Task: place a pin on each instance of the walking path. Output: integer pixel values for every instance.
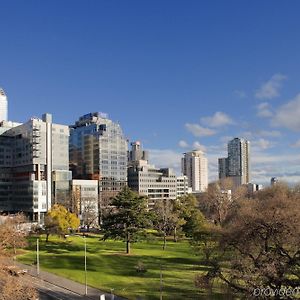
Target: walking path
(68, 285)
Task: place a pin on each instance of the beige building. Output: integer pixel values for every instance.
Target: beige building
(194, 166)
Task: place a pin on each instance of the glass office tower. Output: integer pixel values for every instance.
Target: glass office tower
(98, 150)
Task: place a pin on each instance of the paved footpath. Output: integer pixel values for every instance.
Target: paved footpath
(57, 287)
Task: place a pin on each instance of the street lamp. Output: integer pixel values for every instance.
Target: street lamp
(85, 271)
(37, 257)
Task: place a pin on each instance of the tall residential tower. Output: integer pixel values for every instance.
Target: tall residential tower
(237, 165)
(194, 166)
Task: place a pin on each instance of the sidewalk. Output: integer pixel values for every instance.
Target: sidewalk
(78, 288)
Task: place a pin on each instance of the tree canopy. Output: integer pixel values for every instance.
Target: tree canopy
(127, 218)
(60, 221)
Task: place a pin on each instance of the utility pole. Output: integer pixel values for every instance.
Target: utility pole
(37, 257)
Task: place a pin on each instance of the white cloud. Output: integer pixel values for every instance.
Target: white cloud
(183, 144)
(262, 144)
(240, 94)
(270, 89)
(264, 110)
(198, 130)
(261, 133)
(288, 115)
(217, 120)
(226, 138)
(268, 133)
(166, 158)
(296, 144)
(198, 146)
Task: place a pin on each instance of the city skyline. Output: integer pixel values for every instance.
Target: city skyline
(176, 77)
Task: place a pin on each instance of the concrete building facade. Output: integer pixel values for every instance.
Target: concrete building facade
(194, 166)
(31, 153)
(183, 186)
(85, 195)
(157, 184)
(3, 106)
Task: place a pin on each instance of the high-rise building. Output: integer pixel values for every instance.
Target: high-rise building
(223, 167)
(98, 151)
(3, 105)
(237, 165)
(194, 166)
(34, 166)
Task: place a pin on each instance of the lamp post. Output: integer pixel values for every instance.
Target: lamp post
(37, 257)
(85, 271)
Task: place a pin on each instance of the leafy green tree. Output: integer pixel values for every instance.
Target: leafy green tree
(194, 219)
(128, 217)
(60, 221)
(205, 240)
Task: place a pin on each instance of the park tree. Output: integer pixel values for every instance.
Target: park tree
(12, 237)
(205, 240)
(167, 219)
(220, 198)
(89, 212)
(12, 234)
(187, 207)
(127, 218)
(261, 244)
(60, 221)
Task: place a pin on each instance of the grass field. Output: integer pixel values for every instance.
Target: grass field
(110, 268)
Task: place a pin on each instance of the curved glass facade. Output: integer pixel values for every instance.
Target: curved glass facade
(98, 150)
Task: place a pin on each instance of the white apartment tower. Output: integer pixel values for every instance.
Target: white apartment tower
(194, 166)
(3, 106)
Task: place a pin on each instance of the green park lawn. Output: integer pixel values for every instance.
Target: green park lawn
(108, 266)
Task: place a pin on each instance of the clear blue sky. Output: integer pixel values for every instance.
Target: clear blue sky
(177, 75)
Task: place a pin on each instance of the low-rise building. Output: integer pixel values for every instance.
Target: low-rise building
(183, 186)
(157, 184)
(85, 198)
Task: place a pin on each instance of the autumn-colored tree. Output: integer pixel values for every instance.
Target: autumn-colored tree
(128, 217)
(12, 235)
(220, 198)
(60, 221)
(262, 242)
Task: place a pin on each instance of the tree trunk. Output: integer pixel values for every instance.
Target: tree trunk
(128, 247)
(47, 237)
(175, 234)
(128, 243)
(165, 241)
